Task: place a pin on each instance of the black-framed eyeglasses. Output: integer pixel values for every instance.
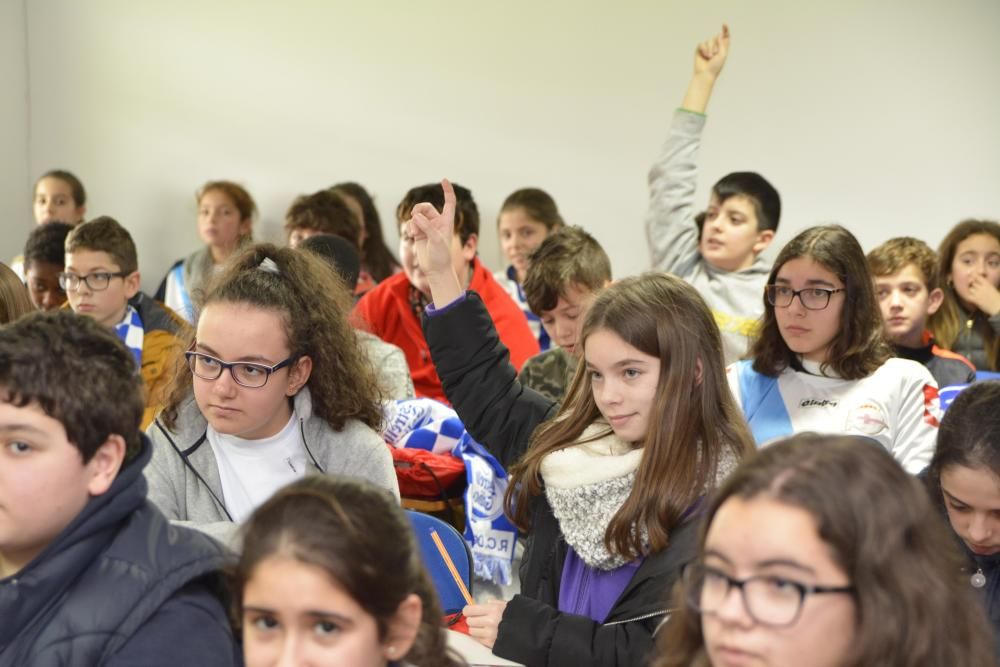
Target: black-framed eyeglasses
(95, 281)
(244, 373)
(768, 599)
(812, 298)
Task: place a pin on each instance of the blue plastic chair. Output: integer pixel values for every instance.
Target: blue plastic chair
(450, 595)
(987, 375)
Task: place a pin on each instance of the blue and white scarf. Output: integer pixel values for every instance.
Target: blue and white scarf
(426, 424)
(131, 332)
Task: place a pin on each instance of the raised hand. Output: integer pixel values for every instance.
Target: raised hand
(710, 56)
(432, 234)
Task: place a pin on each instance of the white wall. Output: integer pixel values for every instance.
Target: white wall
(878, 115)
(15, 188)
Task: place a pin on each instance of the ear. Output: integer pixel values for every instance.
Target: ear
(934, 300)
(403, 628)
(132, 282)
(246, 226)
(699, 372)
(298, 375)
(470, 247)
(764, 239)
(104, 466)
(81, 211)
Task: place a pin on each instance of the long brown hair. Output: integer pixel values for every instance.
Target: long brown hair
(375, 254)
(913, 608)
(358, 534)
(698, 419)
(947, 322)
(859, 348)
(314, 304)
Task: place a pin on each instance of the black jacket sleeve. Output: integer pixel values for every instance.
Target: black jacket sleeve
(479, 380)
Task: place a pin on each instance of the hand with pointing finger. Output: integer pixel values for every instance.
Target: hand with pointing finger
(432, 233)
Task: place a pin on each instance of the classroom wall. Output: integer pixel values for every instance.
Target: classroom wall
(15, 188)
(879, 115)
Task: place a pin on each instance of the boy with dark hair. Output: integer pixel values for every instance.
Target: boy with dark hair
(566, 272)
(325, 212)
(43, 262)
(101, 279)
(91, 573)
(393, 309)
(720, 257)
(909, 291)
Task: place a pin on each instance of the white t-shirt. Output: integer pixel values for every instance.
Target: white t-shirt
(252, 470)
(897, 406)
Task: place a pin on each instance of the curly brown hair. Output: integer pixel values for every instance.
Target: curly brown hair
(860, 347)
(314, 304)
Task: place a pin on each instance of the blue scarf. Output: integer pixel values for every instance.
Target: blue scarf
(131, 332)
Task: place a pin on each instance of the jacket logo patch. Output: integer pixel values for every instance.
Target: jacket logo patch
(817, 403)
(867, 418)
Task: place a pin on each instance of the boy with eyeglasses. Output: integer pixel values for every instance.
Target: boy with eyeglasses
(91, 573)
(101, 279)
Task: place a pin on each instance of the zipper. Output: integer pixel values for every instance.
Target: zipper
(640, 618)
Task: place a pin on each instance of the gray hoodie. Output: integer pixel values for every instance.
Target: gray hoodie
(736, 298)
(184, 480)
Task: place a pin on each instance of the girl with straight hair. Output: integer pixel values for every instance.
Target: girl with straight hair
(968, 321)
(820, 361)
(822, 551)
(330, 573)
(607, 486)
(225, 223)
(964, 481)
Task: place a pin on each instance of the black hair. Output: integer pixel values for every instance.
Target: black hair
(763, 195)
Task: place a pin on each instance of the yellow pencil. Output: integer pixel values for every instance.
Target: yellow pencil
(451, 566)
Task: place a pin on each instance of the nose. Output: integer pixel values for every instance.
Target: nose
(979, 528)
(895, 300)
(796, 307)
(733, 609)
(608, 393)
(224, 385)
(290, 653)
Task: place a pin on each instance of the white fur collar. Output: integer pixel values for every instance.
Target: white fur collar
(608, 457)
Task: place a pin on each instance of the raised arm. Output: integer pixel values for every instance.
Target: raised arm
(474, 366)
(671, 230)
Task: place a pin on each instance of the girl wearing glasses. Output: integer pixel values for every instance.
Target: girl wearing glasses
(821, 551)
(276, 387)
(608, 484)
(820, 361)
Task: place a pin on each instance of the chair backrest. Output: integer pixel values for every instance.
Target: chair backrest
(449, 593)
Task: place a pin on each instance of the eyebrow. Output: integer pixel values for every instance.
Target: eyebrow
(954, 498)
(312, 613)
(249, 358)
(771, 562)
(19, 428)
(812, 282)
(623, 362)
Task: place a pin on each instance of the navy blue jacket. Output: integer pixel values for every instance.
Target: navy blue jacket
(119, 586)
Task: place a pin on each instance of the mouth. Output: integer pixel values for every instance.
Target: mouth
(731, 655)
(617, 421)
(796, 331)
(223, 411)
(897, 321)
(85, 307)
(714, 244)
(982, 550)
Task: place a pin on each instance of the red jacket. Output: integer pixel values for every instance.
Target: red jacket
(386, 312)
